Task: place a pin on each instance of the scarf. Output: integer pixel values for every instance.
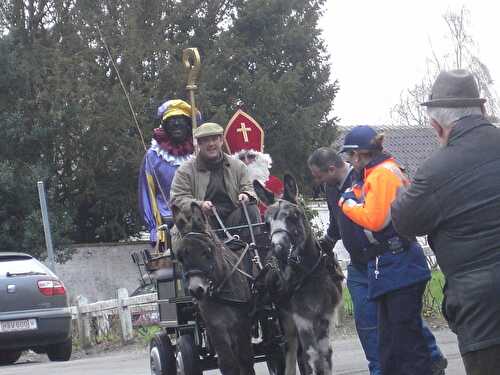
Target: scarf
(212, 165)
(166, 144)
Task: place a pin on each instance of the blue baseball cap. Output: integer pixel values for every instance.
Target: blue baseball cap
(360, 138)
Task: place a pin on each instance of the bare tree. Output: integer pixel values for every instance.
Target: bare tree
(463, 54)
(457, 23)
(408, 112)
(466, 56)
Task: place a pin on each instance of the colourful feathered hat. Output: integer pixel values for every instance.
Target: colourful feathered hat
(175, 107)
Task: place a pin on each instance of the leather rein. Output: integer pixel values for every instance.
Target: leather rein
(296, 261)
(215, 288)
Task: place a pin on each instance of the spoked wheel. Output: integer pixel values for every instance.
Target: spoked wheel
(275, 357)
(161, 355)
(276, 363)
(302, 361)
(187, 356)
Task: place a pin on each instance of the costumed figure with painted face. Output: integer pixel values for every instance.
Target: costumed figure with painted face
(171, 145)
(244, 140)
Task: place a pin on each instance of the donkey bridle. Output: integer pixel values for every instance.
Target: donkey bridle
(290, 259)
(213, 289)
(296, 261)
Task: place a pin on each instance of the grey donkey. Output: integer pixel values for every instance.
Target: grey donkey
(304, 282)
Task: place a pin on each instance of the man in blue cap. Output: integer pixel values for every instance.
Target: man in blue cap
(337, 176)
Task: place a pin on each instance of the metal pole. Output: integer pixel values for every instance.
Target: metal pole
(192, 63)
(46, 225)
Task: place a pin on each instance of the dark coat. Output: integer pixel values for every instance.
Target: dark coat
(342, 228)
(455, 200)
(192, 178)
(396, 271)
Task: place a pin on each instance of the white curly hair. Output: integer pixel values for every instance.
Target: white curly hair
(259, 167)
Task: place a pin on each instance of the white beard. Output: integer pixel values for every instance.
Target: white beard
(259, 169)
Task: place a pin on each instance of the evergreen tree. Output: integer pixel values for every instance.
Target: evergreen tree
(65, 119)
(272, 63)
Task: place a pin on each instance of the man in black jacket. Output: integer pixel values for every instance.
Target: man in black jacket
(329, 170)
(455, 200)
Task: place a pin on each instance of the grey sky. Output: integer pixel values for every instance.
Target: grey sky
(379, 48)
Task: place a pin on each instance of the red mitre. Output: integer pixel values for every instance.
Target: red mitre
(243, 133)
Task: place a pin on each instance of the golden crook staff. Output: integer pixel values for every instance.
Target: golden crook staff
(192, 63)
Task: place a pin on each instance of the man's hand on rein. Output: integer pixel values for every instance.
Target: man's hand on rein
(206, 207)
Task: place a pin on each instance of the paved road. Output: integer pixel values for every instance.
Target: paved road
(348, 359)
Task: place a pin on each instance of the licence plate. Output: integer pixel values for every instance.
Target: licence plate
(18, 325)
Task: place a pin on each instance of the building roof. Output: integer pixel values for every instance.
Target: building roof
(409, 145)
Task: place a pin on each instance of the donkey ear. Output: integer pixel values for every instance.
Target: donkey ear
(291, 191)
(266, 196)
(179, 218)
(198, 219)
(175, 212)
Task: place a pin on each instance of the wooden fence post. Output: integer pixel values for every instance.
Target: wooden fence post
(83, 322)
(125, 316)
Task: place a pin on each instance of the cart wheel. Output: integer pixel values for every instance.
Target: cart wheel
(161, 355)
(187, 356)
(302, 361)
(276, 362)
(276, 356)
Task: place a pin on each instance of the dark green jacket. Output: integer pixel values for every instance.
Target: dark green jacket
(192, 177)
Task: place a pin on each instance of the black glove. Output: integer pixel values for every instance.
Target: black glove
(327, 243)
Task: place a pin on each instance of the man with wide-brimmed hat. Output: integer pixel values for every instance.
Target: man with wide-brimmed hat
(455, 200)
(214, 179)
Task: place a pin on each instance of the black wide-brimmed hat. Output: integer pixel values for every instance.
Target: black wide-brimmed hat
(454, 88)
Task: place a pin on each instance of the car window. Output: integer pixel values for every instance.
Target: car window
(21, 266)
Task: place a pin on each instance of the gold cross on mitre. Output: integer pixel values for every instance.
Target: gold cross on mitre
(243, 129)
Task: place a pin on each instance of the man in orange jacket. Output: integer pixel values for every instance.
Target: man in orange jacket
(397, 269)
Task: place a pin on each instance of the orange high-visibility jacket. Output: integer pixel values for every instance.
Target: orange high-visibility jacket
(379, 190)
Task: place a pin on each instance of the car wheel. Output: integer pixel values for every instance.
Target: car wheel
(9, 357)
(39, 350)
(60, 352)
(161, 355)
(187, 356)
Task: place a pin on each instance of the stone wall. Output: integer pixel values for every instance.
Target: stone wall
(96, 271)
